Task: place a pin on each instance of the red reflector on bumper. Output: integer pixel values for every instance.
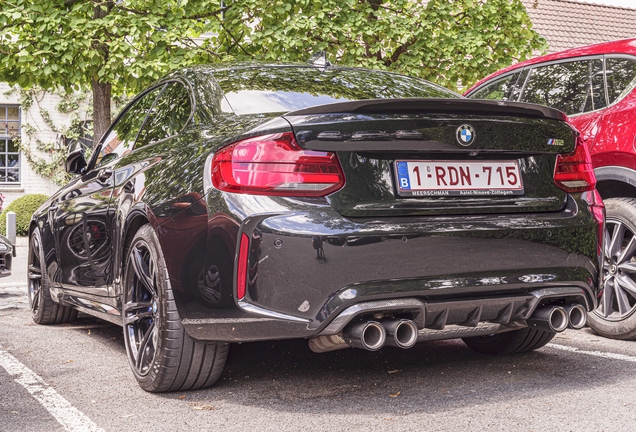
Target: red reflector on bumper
(241, 277)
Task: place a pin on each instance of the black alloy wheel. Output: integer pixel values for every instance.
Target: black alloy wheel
(141, 310)
(162, 356)
(43, 309)
(614, 317)
(34, 275)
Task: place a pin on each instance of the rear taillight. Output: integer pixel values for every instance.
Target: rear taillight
(275, 165)
(573, 172)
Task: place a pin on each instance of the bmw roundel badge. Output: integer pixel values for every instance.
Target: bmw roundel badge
(465, 134)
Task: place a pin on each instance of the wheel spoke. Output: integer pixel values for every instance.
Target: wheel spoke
(142, 271)
(616, 241)
(628, 253)
(622, 300)
(132, 306)
(608, 297)
(607, 242)
(34, 245)
(137, 317)
(627, 267)
(143, 345)
(627, 283)
(35, 299)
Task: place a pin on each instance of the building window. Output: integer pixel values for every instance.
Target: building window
(9, 150)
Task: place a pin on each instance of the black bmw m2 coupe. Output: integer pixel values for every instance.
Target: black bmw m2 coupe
(348, 207)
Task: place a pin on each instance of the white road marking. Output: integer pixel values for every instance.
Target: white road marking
(61, 409)
(612, 356)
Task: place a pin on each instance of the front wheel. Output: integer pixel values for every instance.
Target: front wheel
(512, 342)
(615, 316)
(161, 354)
(43, 309)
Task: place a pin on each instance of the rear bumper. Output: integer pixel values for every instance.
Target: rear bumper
(6, 261)
(308, 267)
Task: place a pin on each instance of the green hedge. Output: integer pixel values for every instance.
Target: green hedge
(24, 207)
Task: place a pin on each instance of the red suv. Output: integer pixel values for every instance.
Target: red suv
(596, 87)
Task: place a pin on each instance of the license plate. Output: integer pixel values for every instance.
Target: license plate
(446, 178)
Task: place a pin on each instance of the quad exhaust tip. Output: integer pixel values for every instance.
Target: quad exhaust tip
(401, 333)
(549, 318)
(577, 315)
(369, 335)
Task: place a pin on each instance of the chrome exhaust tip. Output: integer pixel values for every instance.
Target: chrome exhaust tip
(577, 316)
(366, 335)
(401, 333)
(549, 318)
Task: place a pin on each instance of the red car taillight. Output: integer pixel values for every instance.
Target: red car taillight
(275, 165)
(573, 172)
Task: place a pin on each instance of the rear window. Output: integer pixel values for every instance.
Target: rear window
(284, 89)
(500, 89)
(573, 87)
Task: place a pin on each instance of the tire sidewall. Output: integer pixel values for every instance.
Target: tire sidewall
(38, 316)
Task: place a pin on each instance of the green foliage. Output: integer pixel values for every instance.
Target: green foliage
(73, 43)
(452, 43)
(23, 207)
(130, 43)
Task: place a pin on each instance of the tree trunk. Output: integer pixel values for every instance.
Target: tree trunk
(101, 91)
(101, 109)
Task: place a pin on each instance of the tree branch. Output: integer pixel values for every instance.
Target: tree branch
(200, 48)
(398, 52)
(236, 42)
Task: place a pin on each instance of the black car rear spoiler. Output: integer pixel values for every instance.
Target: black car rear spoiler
(441, 106)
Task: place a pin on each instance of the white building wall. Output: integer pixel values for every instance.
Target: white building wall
(30, 182)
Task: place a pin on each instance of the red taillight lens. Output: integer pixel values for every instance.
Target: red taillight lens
(275, 165)
(573, 172)
(243, 258)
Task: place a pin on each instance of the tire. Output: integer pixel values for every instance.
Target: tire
(43, 309)
(615, 316)
(161, 354)
(512, 342)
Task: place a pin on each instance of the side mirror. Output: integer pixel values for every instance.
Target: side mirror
(75, 159)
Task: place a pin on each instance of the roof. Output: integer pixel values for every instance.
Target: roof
(567, 23)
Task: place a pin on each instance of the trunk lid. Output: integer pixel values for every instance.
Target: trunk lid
(457, 146)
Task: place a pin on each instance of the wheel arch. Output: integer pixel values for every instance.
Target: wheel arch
(136, 219)
(615, 182)
(32, 226)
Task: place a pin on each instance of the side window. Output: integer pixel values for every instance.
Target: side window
(573, 87)
(500, 89)
(621, 77)
(121, 136)
(168, 115)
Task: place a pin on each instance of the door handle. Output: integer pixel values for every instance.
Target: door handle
(104, 174)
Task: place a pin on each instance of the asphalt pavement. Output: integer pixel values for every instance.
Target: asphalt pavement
(76, 377)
